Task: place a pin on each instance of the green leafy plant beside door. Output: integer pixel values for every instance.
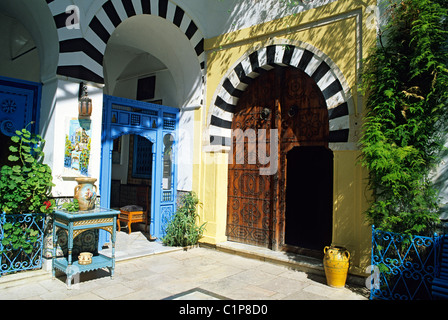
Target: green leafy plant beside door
(405, 80)
(25, 187)
(183, 229)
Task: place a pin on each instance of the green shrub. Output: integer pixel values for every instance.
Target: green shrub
(405, 80)
(183, 229)
(25, 184)
(25, 187)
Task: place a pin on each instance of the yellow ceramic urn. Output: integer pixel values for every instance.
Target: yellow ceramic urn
(336, 263)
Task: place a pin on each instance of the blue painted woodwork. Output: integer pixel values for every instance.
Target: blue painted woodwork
(151, 121)
(142, 164)
(440, 282)
(13, 260)
(406, 264)
(87, 241)
(19, 105)
(75, 223)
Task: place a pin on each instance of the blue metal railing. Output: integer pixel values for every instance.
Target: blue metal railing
(16, 259)
(406, 265)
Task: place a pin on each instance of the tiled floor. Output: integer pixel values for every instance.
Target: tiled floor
(195, 274)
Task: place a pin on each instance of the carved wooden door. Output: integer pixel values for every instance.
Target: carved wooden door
(285, 107)
(250, 193)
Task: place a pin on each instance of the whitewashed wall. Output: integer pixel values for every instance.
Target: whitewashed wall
(65, 110)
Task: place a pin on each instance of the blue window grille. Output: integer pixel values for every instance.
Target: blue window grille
(169, 124)
(405, 266)
(135, 120)
(16, 259)
(167, 196)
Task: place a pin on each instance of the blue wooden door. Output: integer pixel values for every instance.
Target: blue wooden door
(19, 106)
(159, 125)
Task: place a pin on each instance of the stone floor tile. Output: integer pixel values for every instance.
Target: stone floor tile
(223, 286)
(295, 275)
(242, 262)
(252, 292)
(85, 296)
(159, 276)
(176, 286)
(222, 271)
(272, 268)
(167, 268)
(23, 292)
(137, 274)
(112, 291)
(61, 294)
(126, 268)
(283, 285)
(53, 284)
(146, 294)
(252, 276)
(304, 295)
(324, 291)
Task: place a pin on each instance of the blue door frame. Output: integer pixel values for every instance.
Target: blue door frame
(156, 123)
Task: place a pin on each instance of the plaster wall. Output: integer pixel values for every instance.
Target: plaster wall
(341, 31)
(66, 109)
(19, 57)
(216, 17)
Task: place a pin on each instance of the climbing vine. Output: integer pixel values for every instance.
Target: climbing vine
(405, 80)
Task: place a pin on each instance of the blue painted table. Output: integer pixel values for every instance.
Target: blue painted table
(75, 223)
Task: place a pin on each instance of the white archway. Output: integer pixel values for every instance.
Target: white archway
(82, 51)
(36, 18)
(150, 45)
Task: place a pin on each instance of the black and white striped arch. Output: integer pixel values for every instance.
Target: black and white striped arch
(306, 58)
(81, 53)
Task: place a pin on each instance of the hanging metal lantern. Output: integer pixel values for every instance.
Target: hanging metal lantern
(85, 103)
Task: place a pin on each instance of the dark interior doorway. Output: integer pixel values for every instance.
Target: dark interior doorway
(309, 198)
(287, 101)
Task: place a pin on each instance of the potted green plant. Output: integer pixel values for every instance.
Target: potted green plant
(183, 230)
(25, 200)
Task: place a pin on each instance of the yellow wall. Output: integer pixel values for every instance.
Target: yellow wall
(350, 229)
(339, 30)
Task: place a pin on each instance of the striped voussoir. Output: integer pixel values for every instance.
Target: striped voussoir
(265, 59)
(81, 56)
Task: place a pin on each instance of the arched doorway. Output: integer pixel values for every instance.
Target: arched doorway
(157, 127)
(150, 73)
(149, 58)
(282, 109)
